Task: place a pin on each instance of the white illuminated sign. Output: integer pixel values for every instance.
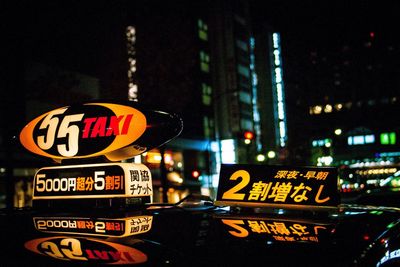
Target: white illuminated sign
(228, 153)
(131, 51)
(279, 104)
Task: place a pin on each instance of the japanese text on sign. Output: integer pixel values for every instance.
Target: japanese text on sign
(276, 230)
(278, 185)
(106, 227)
(114, 179)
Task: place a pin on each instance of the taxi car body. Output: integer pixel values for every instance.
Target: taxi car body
(197, 233)
(384, 196)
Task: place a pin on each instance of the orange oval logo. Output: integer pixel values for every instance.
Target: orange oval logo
(83, 131)
(86, 250)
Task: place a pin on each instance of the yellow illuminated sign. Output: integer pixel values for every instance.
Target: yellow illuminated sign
(262, 185)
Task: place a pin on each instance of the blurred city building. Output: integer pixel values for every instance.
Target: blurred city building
(347, 116)
(205, 61)
(219, 68)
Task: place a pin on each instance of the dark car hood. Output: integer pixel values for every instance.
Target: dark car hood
(198, 235)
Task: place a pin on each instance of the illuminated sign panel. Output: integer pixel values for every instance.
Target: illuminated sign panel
(93, 181)
(83, 131)
(279, 96)
(91, 130)
(262, 185)
(109, 227)
(100, 132)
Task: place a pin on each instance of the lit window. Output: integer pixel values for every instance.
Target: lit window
(203, 28)
(388, 138)
(338, 106)
(206, 94)
(328, 108)
(358, 140)
(245, 97)
(327, 142)
(206, 100)
(314, 143)
(246, 124)
(131, 51)
(361, 139)
(317, 109)
(204, 61)
(228, 151)
(243, 70)
(369, 139)
(324, 161)
(206, 126)
(350, 140)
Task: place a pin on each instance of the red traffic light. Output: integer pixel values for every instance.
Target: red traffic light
(195, 174)
(248, 135)
(372, 34)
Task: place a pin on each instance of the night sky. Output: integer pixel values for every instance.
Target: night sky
(60, 30)
(326, 29)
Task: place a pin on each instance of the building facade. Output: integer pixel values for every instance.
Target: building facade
(203, 61)
(348, 111)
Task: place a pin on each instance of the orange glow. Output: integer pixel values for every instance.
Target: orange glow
(248, 135)
(155, 158)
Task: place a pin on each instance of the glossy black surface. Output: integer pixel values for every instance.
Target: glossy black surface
(196, 233)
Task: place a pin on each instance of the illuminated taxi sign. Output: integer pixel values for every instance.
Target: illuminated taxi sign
(86, 250)
(276, 230)
(109, 227)
(83, 131)
(108, 180)
(285, 186)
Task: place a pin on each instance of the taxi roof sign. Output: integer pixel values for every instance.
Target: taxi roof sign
(277, 186)
(117, 131)
(55, 186)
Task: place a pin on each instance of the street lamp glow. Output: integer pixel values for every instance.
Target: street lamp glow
(328, 144)
(271, 154)
(338, 131)
(260, 158)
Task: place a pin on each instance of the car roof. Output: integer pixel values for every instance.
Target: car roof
(198, 234)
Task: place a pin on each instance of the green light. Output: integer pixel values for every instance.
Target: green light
(392, 138)
(384, 139)
(390, 225)
(376, 212)
(388, 138)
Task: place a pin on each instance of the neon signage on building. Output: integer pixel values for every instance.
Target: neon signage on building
(279, 96)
